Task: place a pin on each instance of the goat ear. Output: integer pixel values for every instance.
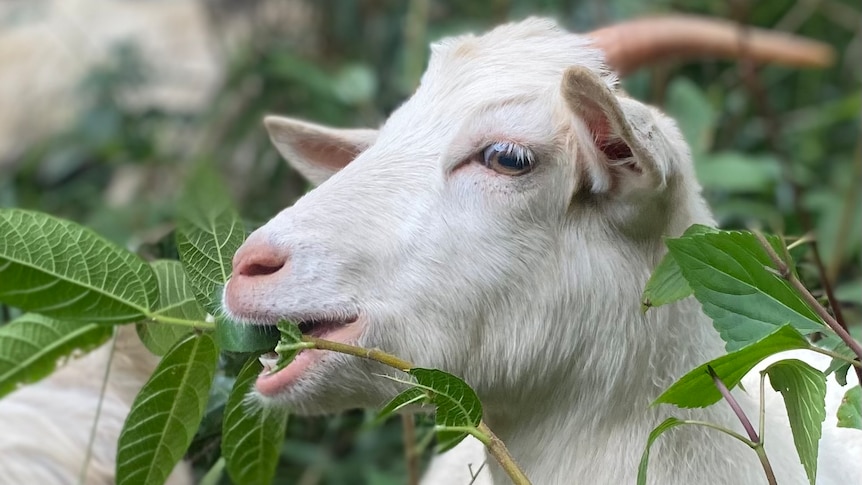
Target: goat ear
(316, 151)
(621, 129)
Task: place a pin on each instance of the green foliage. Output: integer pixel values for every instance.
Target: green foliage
(458, 407)
(289, 344)
(696, 389)
(176, 300)
(32, 345)
(804, 392)
(252, 433)
(239, 337)
(65, 271)
(209, 232)
(666, 284)
(665, 425)
(166, 412)
(850, 411)
(728, 273)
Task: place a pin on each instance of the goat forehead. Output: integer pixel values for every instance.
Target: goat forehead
(530, 53)
(513, 63)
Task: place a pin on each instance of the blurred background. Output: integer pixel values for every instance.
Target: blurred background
(106, 106)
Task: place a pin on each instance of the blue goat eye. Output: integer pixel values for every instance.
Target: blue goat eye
(507, 158)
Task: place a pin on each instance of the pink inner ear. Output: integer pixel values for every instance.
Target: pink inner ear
(328, 155)
(606, 141)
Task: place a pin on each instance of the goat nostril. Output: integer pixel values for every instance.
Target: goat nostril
(259, 263)
(256, 269)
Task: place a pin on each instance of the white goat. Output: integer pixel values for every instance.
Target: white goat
(501, 226)
(46, 426)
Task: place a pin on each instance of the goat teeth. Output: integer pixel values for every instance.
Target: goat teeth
(268, 362)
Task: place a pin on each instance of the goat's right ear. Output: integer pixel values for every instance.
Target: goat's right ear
(316, 151)
(627, 141)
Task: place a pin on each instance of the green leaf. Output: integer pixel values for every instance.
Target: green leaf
(667, 285)
(738, 172)
(697, 389)
(838, 366)
(244, 337)
(804, 390)
(727, 271)
(688, 104)
(289, 344)
(850, 410)
(166, 413)
(65, 271)
(32, 345)
(209, 231)
(177, 300)
(457, 404)
(665, 425)
(252, 432)
(410, 396)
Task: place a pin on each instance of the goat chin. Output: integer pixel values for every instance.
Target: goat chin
(46, 426)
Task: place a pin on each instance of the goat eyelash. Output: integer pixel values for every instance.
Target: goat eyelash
(507, 158)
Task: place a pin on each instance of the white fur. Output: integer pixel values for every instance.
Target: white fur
(526, 286)
(46, 426)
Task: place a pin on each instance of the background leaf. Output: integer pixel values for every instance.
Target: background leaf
(457, 404)
(727, 271)
(850, 410)
(176, 300)
(209, 231)
(252, 432)
(166, 413)
(245, 337)
(32, 345)
(66, 271)
(804, 390)
(697, 389)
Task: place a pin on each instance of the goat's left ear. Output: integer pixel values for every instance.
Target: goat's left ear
(317, 151)
(624, 132)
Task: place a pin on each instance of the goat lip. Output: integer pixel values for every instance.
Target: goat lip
(270, 385)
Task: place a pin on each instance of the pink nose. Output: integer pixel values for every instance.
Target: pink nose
(258, 258)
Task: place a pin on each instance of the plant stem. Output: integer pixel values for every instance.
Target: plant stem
(499, 451)
(767, 467)
(196, 324)
(835, 355)
(734, 405)
(756, 441)
(790, 277)
(484, 434)
(724, 430)
(411, 458)
(373, 354)
(82, 479)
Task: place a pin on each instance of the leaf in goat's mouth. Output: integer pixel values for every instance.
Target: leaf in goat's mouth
(235, 337)
(289, 344)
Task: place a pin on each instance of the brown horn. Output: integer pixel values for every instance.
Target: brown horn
(632, 44)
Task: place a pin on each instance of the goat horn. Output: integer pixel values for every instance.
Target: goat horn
(632, 44)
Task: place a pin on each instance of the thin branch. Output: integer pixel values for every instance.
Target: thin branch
(788, 275)
(756, 440)
(734, 405)
(82, 479)
(411, 457)
(484, 434)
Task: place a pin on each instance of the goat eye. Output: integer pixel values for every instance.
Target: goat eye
(507, 158)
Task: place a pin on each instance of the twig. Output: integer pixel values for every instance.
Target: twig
(411, 457)
(484, 434)
(746, 423)
(788, 275)
(82, 479)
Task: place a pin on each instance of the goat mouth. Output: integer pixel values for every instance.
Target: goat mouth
(271, 383)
